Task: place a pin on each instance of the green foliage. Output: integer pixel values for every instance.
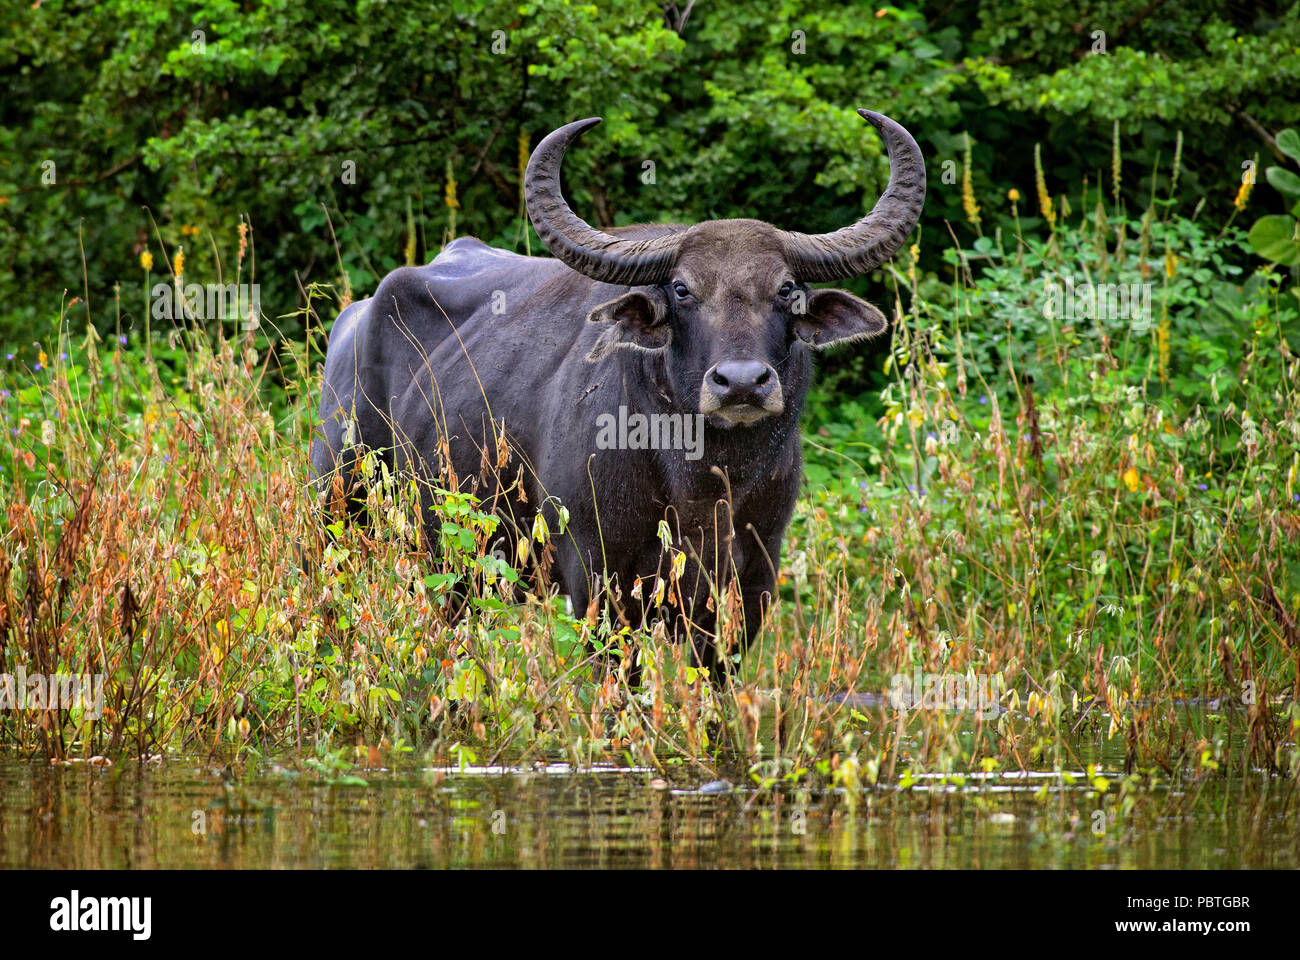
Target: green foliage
(1277, 237)
(1096, 509)
(357, 135)
(1108, 486)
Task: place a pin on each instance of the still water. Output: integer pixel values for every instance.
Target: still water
(194, 813)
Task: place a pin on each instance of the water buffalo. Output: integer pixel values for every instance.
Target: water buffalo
(643, 374)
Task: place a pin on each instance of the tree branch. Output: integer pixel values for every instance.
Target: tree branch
(1255, 125)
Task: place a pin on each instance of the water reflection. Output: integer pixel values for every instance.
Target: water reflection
(191, 814)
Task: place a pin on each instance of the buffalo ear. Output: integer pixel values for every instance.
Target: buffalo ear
(836, 316)
(636, 319)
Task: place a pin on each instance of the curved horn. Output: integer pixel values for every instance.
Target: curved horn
(569, 238)
(854, 250)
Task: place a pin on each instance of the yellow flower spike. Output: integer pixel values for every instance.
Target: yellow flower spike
(146, 261)
(449, 192)
(1013, 195)
(450, 199)
(523, 154)
(1171, 264)
(1044, 198)
(1162, 350)
(1116, 165)
(1132, 480)
(967, 189)
(180, 260)
(1247, 184)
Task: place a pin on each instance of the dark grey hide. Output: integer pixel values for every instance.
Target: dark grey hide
(714, 321)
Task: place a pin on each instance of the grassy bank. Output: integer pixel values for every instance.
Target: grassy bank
(1094, 517)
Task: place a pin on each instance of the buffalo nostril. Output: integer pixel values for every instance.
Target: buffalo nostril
(740, 374)
(741, 391)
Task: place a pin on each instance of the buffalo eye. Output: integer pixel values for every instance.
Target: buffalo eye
(786, 290)
(679, 288)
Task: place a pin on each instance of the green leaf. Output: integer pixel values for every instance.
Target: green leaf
(1274, 238)
(348, 780)
(435, 581)
(1288, 141)
(468, 684)
(1283, 180)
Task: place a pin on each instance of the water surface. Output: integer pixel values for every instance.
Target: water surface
(196, 813)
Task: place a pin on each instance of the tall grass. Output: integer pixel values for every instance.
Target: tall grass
(1098, 515)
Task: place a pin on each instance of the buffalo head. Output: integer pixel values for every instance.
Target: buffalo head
(725, 301)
